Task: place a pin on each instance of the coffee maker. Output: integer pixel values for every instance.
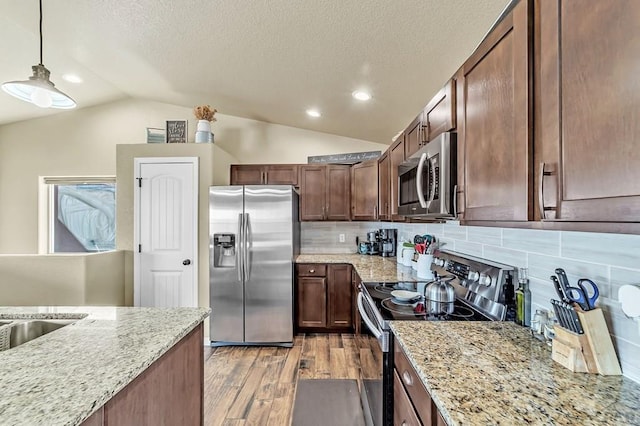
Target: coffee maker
(387, 242)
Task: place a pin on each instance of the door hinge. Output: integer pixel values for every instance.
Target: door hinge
(139, 248)
(139, 182)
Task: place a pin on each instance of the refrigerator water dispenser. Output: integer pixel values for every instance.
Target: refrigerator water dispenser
(224, 250)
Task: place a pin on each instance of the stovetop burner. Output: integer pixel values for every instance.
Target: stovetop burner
(408, 310)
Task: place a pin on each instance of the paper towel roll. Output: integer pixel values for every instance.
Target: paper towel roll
(629, 297)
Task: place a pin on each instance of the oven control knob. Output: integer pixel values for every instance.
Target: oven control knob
(473, 276)
(439, 262)
(484, 280)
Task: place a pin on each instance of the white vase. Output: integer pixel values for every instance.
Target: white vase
(203, 132)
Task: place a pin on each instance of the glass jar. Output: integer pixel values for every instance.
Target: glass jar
(539, 321)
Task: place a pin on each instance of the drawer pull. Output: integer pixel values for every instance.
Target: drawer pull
(404, 423)
(311, 271)
(406, 378)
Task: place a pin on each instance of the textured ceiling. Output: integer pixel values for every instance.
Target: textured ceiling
(266, 60)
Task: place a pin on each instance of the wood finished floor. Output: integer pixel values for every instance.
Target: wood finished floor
(257, 385)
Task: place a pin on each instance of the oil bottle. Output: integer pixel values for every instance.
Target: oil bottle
(523, 299)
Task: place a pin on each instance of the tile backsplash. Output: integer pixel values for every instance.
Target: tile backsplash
(611, 260)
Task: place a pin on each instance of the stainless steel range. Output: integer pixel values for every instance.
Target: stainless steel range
(484, 291)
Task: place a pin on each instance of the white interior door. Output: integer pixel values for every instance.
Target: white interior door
(167, 212)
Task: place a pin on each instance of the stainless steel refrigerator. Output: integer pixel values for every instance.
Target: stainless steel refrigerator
(254, 237)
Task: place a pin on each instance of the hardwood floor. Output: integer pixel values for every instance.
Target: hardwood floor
(246, 385)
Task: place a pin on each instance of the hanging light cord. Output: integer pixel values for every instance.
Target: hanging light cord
(40, 32)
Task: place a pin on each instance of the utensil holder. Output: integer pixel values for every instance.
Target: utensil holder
(591, 352)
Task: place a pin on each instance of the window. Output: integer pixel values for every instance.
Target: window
(81, 214)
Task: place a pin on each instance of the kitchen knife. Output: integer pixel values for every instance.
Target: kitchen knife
(567, 318)
(564, 281)
(576, 320)
(557, 312)
(559, 290)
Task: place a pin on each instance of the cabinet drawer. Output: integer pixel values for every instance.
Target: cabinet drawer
(403, 412)
(311, 270)
(412, 383)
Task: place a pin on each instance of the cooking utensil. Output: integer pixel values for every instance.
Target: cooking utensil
(556, 310)
(577, 325)
(405, 295)
(564, 281)
(439, 298)
(579, 294)
(589, 301)
(558, 288)
(418, 239)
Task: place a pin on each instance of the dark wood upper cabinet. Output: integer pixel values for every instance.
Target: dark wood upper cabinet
(281, 174)
(247, 174)
(364, 190)
(497, 114)
(396, 157)
(325, 192)
(440, 113)
(264, 174)
(415, 135)
(588, 111)
(384, 187)
(338, 192)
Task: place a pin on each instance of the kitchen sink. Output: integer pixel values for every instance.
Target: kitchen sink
(22, 331)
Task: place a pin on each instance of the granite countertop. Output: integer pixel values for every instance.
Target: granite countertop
(493, 373)
(370, 268)
(61, 378)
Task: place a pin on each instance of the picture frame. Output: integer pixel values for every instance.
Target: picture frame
(177, 131)
(156, 135)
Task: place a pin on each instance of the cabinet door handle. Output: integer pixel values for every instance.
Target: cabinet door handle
(406, 378)
(455, 201)
(543, 209)
(375, 212)
(324, 215)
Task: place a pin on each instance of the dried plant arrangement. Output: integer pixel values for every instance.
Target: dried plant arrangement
(205, 112)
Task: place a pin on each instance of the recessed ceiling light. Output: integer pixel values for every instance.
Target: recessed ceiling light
(72, 78)
(313, 113)
(361, 96)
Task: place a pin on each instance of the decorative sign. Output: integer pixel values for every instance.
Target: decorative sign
(350, 158)
(177, 131)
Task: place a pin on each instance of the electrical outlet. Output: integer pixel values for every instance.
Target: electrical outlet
(341, 238)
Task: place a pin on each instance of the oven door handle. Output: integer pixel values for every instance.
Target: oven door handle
(365, 317)
(423, 202)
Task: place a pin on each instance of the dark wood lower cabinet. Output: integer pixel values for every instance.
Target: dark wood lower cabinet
(324, 297)
(312, 302)
(169, 392)
(411, 401)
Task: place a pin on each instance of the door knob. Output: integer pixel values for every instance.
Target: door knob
(186, 262)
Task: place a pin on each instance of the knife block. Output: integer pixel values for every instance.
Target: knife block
(591, 352)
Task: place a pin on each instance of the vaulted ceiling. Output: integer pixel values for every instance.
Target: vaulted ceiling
(266, 60)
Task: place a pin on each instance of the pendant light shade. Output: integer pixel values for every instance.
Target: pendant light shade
(39, 90)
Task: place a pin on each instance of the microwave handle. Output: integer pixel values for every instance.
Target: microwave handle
(432, 188)
(423, 202)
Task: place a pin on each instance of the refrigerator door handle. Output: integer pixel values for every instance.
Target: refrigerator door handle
(240, 247)
(248, 235)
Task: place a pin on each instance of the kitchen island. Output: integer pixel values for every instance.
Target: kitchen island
(496, 373)
(101, 360)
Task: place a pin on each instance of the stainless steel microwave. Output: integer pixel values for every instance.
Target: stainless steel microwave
(427, 180)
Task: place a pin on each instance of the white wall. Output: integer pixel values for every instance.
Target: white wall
(83, 142)
(611, 260)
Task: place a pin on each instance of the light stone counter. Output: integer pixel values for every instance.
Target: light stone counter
(62, 377)
(489, 373)
(370, 268)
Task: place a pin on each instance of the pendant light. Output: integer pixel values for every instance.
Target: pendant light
(39, 90)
